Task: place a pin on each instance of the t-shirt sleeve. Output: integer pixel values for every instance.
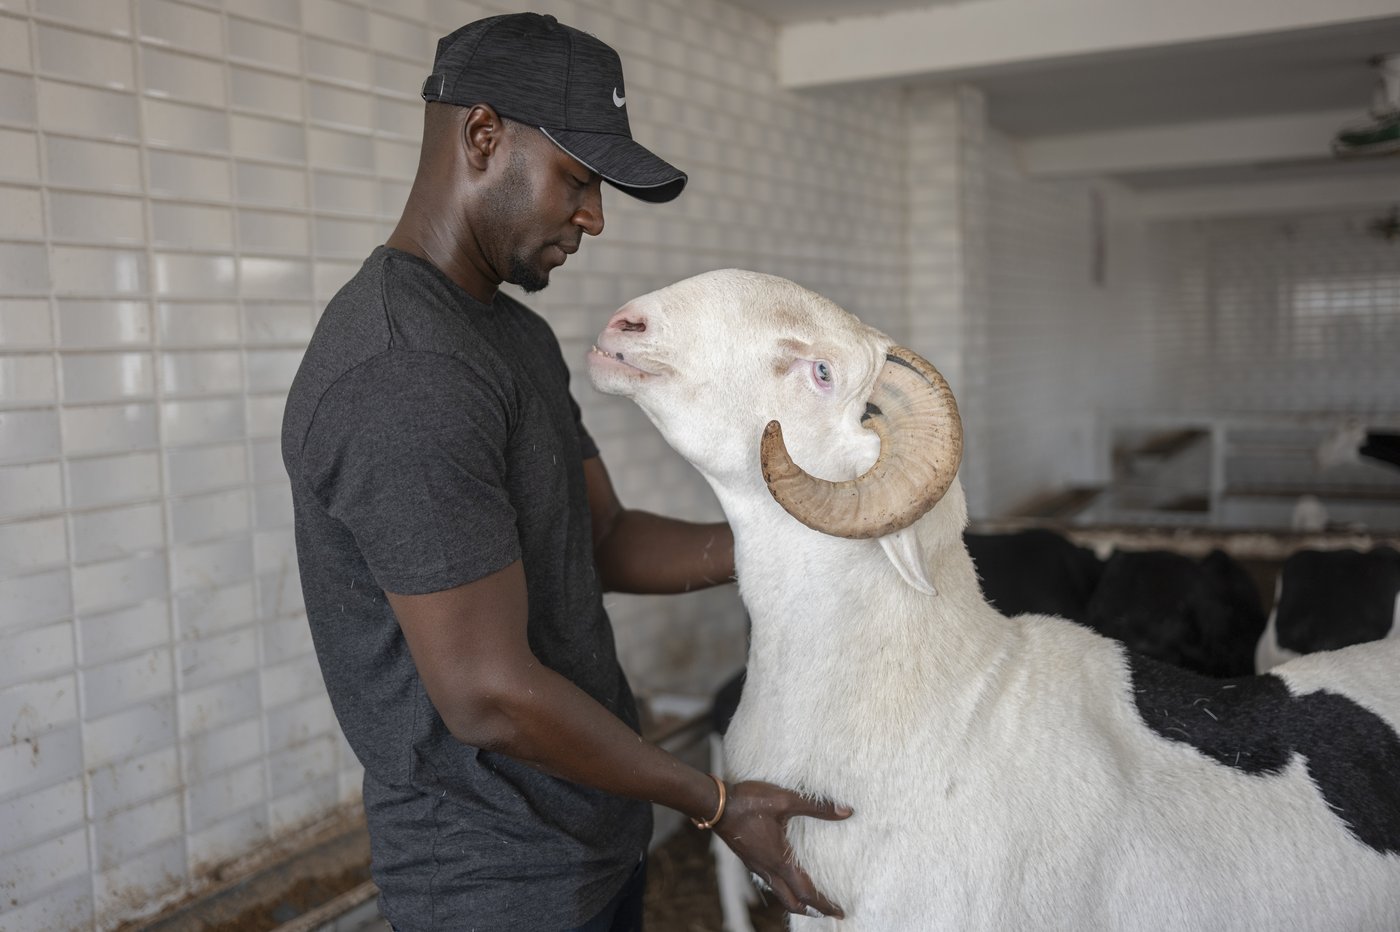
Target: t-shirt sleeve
(408, 451)
(587, 448)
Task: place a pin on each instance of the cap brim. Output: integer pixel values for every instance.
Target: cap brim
(622, 162)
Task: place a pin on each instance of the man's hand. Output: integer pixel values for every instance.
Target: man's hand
(754, 825)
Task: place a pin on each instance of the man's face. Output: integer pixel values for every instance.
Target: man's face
(539, 208)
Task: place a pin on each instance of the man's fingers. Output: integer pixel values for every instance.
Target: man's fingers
(822, 809)
(780, 890)
(809, 897)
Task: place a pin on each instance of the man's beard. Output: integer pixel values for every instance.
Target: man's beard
(526, 276)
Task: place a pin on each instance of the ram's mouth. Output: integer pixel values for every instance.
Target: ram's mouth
(604, 357)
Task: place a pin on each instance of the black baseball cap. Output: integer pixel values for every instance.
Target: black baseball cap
(536, 70)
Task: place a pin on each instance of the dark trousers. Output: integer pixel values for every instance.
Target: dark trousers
(624, 911)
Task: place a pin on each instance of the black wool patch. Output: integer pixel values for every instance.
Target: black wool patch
(1253, 724)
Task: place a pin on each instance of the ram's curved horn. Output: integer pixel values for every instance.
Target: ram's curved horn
(914, 412)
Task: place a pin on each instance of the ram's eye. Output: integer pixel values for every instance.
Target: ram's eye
(822, 372)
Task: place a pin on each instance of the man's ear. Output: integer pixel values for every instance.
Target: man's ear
(482, 132)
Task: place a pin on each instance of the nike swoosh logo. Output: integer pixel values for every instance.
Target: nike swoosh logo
(618, 101)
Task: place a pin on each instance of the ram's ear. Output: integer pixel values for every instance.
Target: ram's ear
(907, 552)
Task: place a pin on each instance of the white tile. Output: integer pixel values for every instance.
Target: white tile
(24, 269)
(201, 373)
(278, 323)
(24, 324)
(14, 44)
(335, 20)
(221, 748)
(274, 278)
(343, 193)
(400, 77)
(327, 148)
(193, 276)
(181, 26)
(76, 56)
(125, 834)
(34, 600)
(96, 218)
(214, 564)
(66, 906)
(116, 532)
(182, 77)
(340, 106)
(223, 796)
(123, 784)
(128, 734)
(36, 654)
(348, 238)
(267, 461)
(208, 517)
(207, 611)
(268, 232)
(32, 489)
(199, 469)
(17, 100)
(89, 377)
(340, 63)
(26, 546)
(103, 323)
(270, 185)
(265, 415)
(279, 595)
(227, 839)
(275, 552)
(273, 11)
(87, 110)
(26, 380)
(291, 681)
(264, 45)
(79, 270)
(48, 864)
(113, 480)
(34, 817)
(272, 505)
(395, 36)
(286, 640)
(272, 370)
(306, 802)
(89, 163)
(128, 581)
(28, 435)
(32, 710)
(288, 769)
(400, 117)
(225, 703)
(183, 126)
(197, 324)
(178, 174)
(263, 92)
(300, 721)
(191, 226)
(262, 138)
(153, 875)
(113, 18)
(36, 763)
(202, 421)
(107, 636)
(109, 428)
(117, 684)
(21, 213)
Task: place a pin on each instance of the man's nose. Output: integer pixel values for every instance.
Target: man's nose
(589, 216)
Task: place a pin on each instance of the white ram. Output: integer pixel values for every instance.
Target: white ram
(1006, 773)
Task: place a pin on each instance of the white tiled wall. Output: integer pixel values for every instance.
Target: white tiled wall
(183, 183)
(1293, 314)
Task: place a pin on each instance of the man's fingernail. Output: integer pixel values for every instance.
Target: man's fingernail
(814, 913)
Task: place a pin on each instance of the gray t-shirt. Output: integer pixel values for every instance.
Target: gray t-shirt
(431, 440)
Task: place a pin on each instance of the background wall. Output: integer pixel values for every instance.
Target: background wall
(183, 184)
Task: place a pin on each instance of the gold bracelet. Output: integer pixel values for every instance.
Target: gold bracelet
(719, 812)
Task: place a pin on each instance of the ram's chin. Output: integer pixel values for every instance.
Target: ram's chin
(612, 377)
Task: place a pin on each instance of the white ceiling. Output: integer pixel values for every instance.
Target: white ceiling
(1296, 71)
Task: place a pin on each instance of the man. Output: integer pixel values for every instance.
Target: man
(455, 526)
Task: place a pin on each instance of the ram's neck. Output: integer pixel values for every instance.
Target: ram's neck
(840, 641)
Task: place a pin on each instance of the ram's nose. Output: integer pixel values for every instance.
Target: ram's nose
(628, 319)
